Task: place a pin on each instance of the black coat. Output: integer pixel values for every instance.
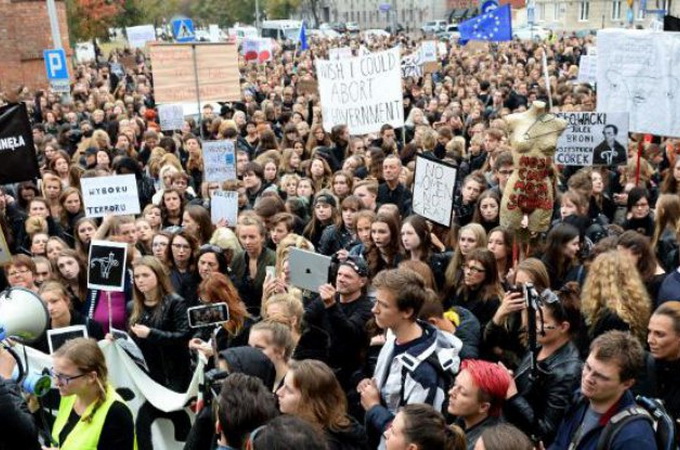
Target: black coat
(541, 402)
(166, 348)
(20, 430)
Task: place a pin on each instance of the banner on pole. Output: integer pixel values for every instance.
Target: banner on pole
(363, 92)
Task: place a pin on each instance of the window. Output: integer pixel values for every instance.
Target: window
(583, 10)
(557, 9)
(616, 10)
(540, 12)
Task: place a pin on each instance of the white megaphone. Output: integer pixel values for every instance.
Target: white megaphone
(23, 315)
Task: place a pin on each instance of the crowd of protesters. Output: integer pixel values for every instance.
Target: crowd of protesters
(420, 340)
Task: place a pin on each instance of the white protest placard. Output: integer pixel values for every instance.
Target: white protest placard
(441, 47)
(171, 116)
(115, 194)
(587, 69)
(363, 50)
(433, 188)
(214, 31)
(637, 73)
(411, 66)
(219, 161)
(593, 139)
(336, 54)
(224, 206)
(362, 92)
(85, 52)
(138, 36)
(428, 51)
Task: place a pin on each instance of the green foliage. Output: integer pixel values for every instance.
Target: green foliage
(281, 9)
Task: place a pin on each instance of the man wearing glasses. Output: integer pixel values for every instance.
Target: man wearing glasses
(615, 359)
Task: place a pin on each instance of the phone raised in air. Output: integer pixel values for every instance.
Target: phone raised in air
(208, 315)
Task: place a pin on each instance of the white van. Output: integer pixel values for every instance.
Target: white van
(241, 32)
(281, 29)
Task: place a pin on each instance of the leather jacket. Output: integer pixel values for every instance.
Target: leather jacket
(542, 401)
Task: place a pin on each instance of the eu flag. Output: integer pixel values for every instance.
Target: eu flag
(495, 25)
(303, 37)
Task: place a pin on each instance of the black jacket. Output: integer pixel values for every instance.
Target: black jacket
(166, 348)
(334, 239)
(541, 402)
(399, 196)
(18, 428)
(351, 438)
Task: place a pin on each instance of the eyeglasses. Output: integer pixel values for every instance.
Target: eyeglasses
(474, 269)
(64, 379)
(18, 272)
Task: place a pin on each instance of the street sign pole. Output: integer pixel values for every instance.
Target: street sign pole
(56, 39)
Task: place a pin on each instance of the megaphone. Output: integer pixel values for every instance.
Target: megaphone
(23, 315)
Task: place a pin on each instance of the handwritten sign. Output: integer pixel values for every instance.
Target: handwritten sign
(219, 161)
(362, 92)
(428, 51)
(593, 139)
(106, 266)
(433, 189)
(171, 116)
(115, 195)
(224, 206)
(138, 36)
(637, 73)
(175, 79)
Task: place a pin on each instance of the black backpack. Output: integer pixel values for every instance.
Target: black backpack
(645, 408)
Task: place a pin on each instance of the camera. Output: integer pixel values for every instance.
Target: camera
(212, 384)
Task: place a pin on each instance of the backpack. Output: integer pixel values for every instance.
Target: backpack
(645, 408)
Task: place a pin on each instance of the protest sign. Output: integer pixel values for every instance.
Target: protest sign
(214, 31)
(129, 61)
(115, 195)
(18, 159)
(138, 36)
(593, 139)
(106, 265)
(60, 336)
(257, 49)
(171, 116)
(307, 87)
(174, 76)
(85, 52)
(587, 69)
(410, 66)
(224, 206)
(433, 187)
(441, 48)
(428, 51)
(139, 392)
(336, 54)
(362, 92)
(637, 73)
(219, 161)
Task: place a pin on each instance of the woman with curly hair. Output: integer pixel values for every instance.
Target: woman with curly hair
(615, 298)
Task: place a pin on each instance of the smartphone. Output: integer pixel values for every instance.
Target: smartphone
(208, 315)
(270, 272)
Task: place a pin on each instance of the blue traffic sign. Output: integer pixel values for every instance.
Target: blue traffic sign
(55, 64)
(183, 30)
(384, 7)
(489, 5)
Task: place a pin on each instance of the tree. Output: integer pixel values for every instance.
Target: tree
(92, 18)
(282, 9)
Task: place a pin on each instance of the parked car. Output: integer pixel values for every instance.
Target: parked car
(352, 27)
(400, 29)
(433, 26)
(339, 27)
(528, 32)
(450, 32)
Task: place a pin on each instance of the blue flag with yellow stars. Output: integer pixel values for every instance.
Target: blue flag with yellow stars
(495, 25)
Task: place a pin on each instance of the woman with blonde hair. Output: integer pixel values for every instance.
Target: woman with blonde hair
(51, 191)
(290, 162)
(470, 237)
(275, 339)
(91, 411)
(614, 297)
(311, 392)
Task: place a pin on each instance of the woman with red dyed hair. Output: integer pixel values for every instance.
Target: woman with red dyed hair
(217, 288)
(477, 397)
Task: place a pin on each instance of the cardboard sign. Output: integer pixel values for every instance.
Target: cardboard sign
(593, 139)
(219, 161)
(433, 189)
(308, 87)
(116, 195)
(363, 92)
(224, 206)
(171, 116)
(174, 75)
(106, 266)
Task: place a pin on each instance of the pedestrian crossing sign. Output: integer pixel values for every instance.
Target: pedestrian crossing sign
(183, 30)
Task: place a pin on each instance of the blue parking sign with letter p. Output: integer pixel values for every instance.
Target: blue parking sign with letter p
(55, 64)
